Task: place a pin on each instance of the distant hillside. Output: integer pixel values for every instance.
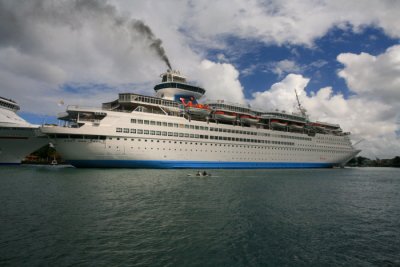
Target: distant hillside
(366, 162)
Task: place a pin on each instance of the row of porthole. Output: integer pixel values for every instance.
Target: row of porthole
(254, 147)
(211, 151)
(240, 146)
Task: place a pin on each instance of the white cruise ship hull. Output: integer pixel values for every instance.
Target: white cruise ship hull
(18, 142)
(118, 143)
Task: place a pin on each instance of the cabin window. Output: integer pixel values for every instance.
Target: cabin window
(119, 130)
(140, 131)
(133, 120)
(133, 130)
(126, 130)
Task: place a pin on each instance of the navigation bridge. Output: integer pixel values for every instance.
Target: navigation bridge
(174, 86)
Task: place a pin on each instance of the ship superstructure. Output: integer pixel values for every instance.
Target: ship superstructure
(18, 138)
(174, 130)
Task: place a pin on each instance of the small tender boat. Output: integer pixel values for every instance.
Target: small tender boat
(249, 119)
(54, 161)
(224, 116)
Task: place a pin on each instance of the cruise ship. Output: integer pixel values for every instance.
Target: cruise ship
(173, 130)
(18, 138)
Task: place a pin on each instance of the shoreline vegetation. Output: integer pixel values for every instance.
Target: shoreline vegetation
(47, 154)
(366, 162)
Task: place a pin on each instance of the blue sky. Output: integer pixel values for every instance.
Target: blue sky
(318, 62)
(342, 56)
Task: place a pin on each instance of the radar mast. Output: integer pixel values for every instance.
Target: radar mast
(302, 110)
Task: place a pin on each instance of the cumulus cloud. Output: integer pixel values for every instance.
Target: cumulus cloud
(221, 81)
(286, 21)
(281, 95)
(373, 76)
(284, 66)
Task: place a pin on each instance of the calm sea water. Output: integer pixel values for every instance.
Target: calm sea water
(58, 216)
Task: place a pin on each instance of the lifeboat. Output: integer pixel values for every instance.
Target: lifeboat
(278, 124)
(318, 126)
(224, 116)
(196, 109)
(249, 119)
(296, 126)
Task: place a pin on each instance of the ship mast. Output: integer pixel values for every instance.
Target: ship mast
(301, 109)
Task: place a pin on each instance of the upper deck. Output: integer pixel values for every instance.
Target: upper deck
(8, 104)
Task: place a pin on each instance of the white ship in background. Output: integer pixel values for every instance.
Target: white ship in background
(18, 138)
(172, 130)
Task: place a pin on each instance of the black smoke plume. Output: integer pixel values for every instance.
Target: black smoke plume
(155, 43)
(139, 26)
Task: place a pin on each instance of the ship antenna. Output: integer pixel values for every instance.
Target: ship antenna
(301, 109)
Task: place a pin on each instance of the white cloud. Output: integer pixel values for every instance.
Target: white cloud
(284, 66)
(221, 81)
(373, 76)
(281, 95)
(286, 21)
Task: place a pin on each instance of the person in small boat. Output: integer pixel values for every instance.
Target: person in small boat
(205, 173)
(198, 173)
